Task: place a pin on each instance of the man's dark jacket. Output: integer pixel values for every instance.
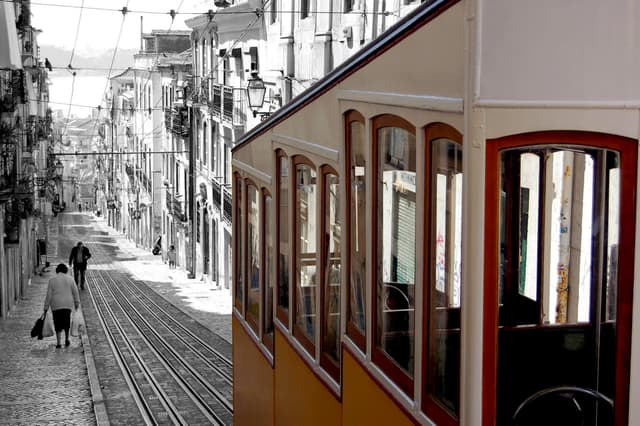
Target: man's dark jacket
(85, 256)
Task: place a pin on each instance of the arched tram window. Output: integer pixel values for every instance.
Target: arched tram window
(557, 254)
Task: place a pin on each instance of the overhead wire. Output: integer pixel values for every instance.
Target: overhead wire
(220, 11)
(73, 81)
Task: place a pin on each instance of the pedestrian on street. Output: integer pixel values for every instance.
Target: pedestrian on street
(171, 254)
(78, 259)
(62, 297)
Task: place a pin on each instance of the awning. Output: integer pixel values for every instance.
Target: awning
(10, 57)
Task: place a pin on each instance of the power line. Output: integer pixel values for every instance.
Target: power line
(173, 13)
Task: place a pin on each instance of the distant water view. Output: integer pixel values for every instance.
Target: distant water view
(88, 92)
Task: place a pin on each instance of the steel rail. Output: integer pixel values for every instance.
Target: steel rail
(204, 382)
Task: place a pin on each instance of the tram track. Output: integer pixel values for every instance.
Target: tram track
(175, 376)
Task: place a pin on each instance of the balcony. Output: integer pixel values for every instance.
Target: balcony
(228, 207)
(174, 207)
(228, 103)
(176, 121)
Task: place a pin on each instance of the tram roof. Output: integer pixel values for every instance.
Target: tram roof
(403, 28)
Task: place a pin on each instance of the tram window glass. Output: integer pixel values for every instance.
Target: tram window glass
(559, 232)
(331, 275)
(442, 384)
(283, 238)
(357, 228)
(269, 264)
(305, 259)
(396, 249)
(253, 256)
(239, 254)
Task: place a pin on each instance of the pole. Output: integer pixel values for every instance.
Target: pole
(192, 194)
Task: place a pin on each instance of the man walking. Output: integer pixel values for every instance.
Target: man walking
(78, 259)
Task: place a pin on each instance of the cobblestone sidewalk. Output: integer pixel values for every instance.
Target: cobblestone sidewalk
(39, 384)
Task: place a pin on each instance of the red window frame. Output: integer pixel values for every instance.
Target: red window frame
(380, 358)
(252, 320)
(267, 337)
(281, 313)
(430, 405)
(356, 335)
(239, 292)
(627, 148)
(326, 362)
(298, 333)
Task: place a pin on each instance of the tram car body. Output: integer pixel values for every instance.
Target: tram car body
(443, 229)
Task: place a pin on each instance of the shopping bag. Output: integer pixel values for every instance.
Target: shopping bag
(47, 329)
(77, 322)
(36, 331)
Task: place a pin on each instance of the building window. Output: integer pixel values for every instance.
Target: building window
(253, 256)
(239, 253)
(198, 220)
(214, 250)
(268, 271)
(284, 203)
(304, 9)
(357, 194)
(395, 249)
(206, 141)
(443, 270)
(331, 275)
(306, 281)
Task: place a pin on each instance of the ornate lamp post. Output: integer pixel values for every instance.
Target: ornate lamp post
(255, 95)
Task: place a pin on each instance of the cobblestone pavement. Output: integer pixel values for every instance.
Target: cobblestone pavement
(39, 384)
(43, 385)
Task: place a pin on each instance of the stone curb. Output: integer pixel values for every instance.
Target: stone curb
(99, 408)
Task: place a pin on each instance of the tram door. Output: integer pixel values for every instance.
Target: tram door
(559, 233)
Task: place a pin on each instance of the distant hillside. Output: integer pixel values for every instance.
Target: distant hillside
(59, 57)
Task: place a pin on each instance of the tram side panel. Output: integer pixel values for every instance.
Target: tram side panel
(253, 381)
(364, 402)
(300, 397)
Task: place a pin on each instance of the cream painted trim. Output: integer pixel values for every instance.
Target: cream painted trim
(576, 104)
(432, 103)
(252, 171)
(299, 144)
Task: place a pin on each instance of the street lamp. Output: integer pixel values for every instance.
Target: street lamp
(255, 95)
(59, 169)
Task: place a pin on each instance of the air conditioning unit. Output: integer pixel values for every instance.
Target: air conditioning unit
(347, 32)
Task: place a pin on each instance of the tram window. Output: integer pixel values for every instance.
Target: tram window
(283, 239)
(559, 233)
(396, 250)
(445, 286)
(239, 254)
(253, 256)
(331, 275)
(306, 248)
(269, 264)
(356, 307)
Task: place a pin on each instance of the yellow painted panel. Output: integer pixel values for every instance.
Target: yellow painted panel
(363, 401)
(301, 397)
(252, 381)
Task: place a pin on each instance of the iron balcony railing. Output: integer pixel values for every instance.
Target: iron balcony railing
(176, 121)
(228, 103)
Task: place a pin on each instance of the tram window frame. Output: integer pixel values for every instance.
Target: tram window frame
(239, 267)
(431, 405)
(253, 318)
(329, 363)
(308, 342)
(283, 223)
(355, 332)
(268, 266)
(401, 377)
(626, 149)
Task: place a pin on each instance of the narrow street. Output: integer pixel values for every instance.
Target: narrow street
(156, 349)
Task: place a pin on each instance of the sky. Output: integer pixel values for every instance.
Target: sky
(89, 32)
(98, 29)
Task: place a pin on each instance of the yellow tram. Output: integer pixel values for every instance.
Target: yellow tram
(442, 230)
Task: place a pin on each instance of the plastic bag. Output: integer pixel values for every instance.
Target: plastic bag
(77, 322)
(36, 331)
(47, 329)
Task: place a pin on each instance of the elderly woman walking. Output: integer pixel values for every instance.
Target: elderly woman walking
(62, 297)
